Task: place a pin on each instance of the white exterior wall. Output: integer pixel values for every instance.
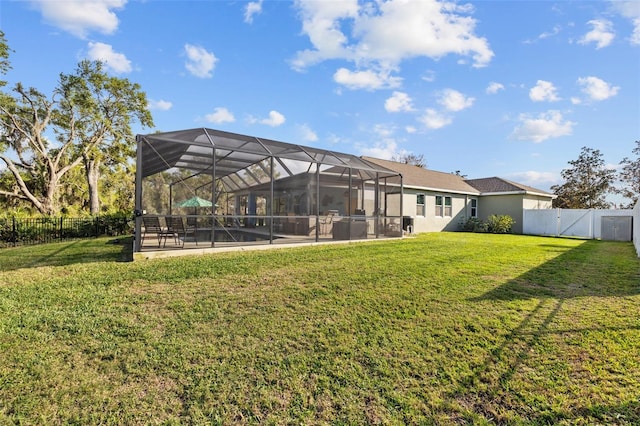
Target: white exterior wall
(429, 222)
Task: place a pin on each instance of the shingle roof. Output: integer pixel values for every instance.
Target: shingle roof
(419, 177)
(496, 184)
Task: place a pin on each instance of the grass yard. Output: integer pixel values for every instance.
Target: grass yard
(444, 328)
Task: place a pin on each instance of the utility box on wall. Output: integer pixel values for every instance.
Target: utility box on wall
(616, 228)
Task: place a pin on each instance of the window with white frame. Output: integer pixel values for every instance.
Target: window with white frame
(443, 206)
(419, 204)
(474, 207)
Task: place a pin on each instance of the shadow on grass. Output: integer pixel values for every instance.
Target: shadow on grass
(593, 269)
(67, 253)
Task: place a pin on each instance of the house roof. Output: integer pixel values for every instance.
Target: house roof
(497, 185)
(418, 177)
(421, 178)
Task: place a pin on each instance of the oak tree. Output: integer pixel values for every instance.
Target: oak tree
(586, 183)
(89, 117)
(629, 175)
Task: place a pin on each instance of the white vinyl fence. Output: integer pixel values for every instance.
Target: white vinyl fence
(636, 227)
(585, 223)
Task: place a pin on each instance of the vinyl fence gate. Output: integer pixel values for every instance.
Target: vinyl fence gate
(610, 224)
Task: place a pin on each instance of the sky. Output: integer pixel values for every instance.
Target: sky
(512, 89)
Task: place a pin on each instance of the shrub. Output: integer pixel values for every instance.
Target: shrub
(500, 224)
(473, 224)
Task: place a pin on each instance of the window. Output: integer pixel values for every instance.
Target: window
(443, 206)
(474, 207)
(447, 206)
(420, 204)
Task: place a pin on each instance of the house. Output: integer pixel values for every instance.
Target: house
(501, 196)
(271, 192)
(437, 201)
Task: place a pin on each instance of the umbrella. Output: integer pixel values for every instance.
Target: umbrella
(195, 202)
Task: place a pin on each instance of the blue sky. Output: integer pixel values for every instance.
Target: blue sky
(489, 88)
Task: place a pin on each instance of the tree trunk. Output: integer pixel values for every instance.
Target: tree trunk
(91, 168)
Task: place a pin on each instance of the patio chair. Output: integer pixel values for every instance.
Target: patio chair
(176, 227)
(152, 226)
(326, 223)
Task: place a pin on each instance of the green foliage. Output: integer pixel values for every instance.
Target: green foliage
(500, 224)
(586, 184)
(629, 175)
(474, 224)
(98, 110)
(444, 328)
(496, 224)
(90, 113)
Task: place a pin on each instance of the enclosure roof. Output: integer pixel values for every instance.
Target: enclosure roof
(192, 149)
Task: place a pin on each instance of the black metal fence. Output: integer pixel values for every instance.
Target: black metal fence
(41, 230)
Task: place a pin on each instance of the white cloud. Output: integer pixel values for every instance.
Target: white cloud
(601, 34)
(386, 33)
(307, 133)
(79, 17)
(635, 37)
(631, 11)
(161, 105)
(275, 119)
(494, 88)
(200, 63)
(546, 125)
(117, 62)
(321, 22)
(453, 100)
(434, 120)
(554, 32)
(398, 102)
(543, 91)
(410, 129)
(384, 130)
(597, 89)
(220, 115)
(536, 179)
(252, 8)
(385, 149)
(333, 139)
(401, 30)
(369, 80)
(429, 76)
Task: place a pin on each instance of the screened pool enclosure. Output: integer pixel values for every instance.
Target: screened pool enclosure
(208, 188)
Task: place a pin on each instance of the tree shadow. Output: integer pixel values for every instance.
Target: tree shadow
(67, 253)
(592, 269)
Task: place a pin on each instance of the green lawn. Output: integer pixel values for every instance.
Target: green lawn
(445, 328)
